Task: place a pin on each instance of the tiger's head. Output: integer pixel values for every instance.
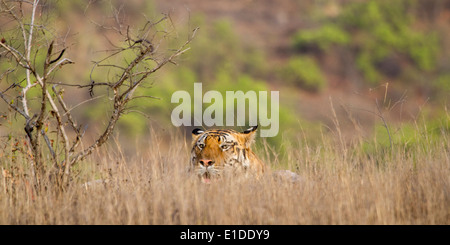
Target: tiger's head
(217, 151)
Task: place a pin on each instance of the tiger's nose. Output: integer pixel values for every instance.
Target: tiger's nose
(206, 162)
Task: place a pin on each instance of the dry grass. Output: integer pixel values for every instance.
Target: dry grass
(342, 185)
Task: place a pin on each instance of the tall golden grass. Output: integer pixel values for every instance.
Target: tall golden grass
(340, 185)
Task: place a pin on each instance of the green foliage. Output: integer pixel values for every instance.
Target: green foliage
(443, 83)
(363, 15)
(374, 31)
(365, 64)
(217, 47)
(323, 37)
(387, 28)
(133, 124)
(304, 72)
(423, 48)
(408, 136)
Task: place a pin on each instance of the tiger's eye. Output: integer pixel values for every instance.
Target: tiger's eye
(201, 145)
(224, 147)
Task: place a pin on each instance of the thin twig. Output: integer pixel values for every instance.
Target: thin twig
(385, 124)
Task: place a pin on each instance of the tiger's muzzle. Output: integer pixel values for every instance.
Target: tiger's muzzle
(206, 170)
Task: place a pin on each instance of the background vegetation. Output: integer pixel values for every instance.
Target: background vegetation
(364, 88)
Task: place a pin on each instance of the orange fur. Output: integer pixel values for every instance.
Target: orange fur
(217, 151)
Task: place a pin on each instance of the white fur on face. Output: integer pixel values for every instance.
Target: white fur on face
(235, 157)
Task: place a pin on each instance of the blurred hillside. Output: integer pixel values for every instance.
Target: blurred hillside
(351, 51)
(320, 46)
(358, 58)
(356, 53)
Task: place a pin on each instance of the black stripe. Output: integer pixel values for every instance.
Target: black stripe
(249, 130)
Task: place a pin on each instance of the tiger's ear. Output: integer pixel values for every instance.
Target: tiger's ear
(249, 135)
(196, 133)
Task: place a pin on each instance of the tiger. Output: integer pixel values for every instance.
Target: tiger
(218, 151)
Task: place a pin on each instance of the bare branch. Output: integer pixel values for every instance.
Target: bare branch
(145, 74)
(15, 108)
(385, 124)
(126, 74)
(49, 145)
(28, 44)
(81, 86)
(62, 62)
(59, 56)
(17, 55)
(147, 97)
(17, 19)
(50, 112)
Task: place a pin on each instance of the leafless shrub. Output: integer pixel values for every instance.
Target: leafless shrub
(26, 37)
